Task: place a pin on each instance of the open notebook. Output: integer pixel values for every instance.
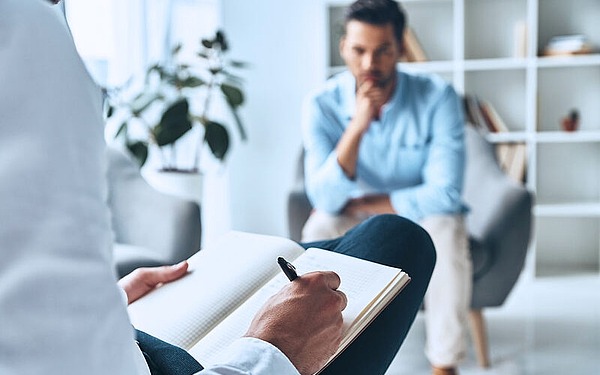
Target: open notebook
(229, 281)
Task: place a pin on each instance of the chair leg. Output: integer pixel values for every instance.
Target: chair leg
(479, 334)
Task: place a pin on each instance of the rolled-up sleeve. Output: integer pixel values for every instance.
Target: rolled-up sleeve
(251, 356)
(443, 172)
(327, 186)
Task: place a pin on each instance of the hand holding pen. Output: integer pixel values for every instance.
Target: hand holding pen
(288, 268)
(304, 319)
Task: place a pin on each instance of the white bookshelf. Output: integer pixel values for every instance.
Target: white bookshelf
(473, 45)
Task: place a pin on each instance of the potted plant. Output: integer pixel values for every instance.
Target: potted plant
(160, 113)
(156, 117)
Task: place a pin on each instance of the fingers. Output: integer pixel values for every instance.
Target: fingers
(331, 281)
(166, 274)
(370, 98)
(304, 320)
(343, 299)
(365, 86)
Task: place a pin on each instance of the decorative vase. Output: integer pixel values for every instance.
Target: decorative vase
(186, 185)
(570, 123)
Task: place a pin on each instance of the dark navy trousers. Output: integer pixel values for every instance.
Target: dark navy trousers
(386, 239)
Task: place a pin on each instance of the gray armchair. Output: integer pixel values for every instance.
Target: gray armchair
(150, 228)
(499, 224)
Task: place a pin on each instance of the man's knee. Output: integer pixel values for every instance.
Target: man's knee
(449, 235)
(323, 226)
(396, 227)
(399, 231)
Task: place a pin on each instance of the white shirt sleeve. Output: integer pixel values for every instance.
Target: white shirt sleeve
(61, 311)
(250, 356)
(246, 356)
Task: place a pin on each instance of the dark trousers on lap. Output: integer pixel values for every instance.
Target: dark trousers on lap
(385, 239)
(397, 242)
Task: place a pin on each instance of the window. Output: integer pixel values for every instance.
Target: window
(119, 39)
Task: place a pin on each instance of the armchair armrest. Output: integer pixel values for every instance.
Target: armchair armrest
(499, 222)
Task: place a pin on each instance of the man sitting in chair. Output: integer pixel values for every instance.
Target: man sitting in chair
(378, 140)
(61, 311)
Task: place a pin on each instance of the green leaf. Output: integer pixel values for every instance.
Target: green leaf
(207, 43)
(234, 96)
(110, 111)
(192, 82)
(139, 150)
(176, 49)
(238, 64)
(175, 122)
(220, 38)
(238, 123)
(122, 130)
(155, 67)
(143, 101)
(217, 138)
(235, 79)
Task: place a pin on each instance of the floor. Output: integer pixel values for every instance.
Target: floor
(548, 326)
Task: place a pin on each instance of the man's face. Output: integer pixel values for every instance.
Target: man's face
(370, 52)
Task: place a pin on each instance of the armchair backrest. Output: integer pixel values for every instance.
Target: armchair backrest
(499, 222)
(146, 218)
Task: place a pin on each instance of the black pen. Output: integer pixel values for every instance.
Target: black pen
(287, 268)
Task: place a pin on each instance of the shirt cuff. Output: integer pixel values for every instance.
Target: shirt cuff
(124, 296)
(249, 355)
(406, 203)
(335, 187)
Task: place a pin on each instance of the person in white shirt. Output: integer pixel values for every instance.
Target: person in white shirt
(61, 311)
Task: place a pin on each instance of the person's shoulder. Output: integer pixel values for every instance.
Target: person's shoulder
(28, 18)
(426, 84)
(428, 81)
(12, 9)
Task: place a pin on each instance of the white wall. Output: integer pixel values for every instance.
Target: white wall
(284, 41)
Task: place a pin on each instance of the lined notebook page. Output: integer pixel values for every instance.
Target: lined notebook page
(221, 277)
(362, 281)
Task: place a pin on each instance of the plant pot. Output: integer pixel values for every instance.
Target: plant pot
(186, 185)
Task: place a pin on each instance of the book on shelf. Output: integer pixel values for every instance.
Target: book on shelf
(413, 51)
(473, 112)
(504, 154)
(568, 45)
(512, 157)
(518, 165)
(492, 119)
(229, 281)
(483, 115)
(520, 39)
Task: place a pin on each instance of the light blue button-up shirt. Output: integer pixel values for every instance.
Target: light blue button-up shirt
(414, 152)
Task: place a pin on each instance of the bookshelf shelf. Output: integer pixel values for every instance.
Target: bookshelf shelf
(508, 137)
(568, 61)
(568, 210)
(566, 137)
(500, 59)
(430, 66)
(496, 64)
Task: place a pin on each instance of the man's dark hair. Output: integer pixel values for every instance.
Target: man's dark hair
(378, 12)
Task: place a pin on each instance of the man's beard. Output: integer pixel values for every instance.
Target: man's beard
(378, 78)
